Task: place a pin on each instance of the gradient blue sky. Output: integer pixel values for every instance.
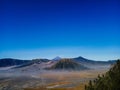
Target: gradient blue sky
(67, 28)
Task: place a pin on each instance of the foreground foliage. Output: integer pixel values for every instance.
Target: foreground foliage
(109, 81)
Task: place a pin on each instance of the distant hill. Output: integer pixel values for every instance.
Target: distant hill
(67, 64)
(83, 60)
(57, 58)
(11, 62)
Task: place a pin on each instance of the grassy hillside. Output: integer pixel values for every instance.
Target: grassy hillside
(109, 81)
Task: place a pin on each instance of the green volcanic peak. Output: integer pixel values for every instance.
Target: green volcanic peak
(68, 64)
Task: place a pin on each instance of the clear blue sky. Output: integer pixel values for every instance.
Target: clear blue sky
(67, 28)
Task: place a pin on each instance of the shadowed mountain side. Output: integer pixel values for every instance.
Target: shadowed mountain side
(67, 64)
(11, 62)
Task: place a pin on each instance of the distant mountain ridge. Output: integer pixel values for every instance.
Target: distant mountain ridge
(5, 62)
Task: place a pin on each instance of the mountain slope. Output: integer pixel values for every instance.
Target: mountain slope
(34, 61)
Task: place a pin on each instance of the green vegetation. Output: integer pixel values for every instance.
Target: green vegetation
(68, 64)
(109, 81)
